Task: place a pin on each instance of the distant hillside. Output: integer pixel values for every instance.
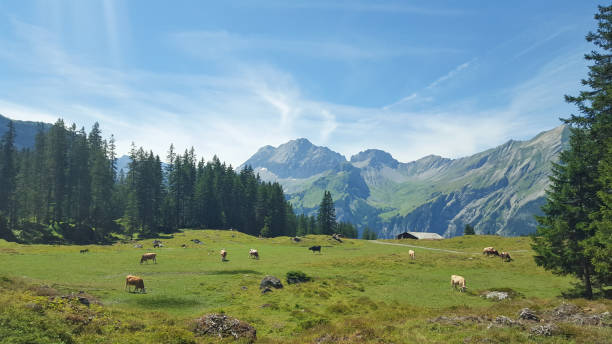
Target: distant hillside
(497, 191)
(25, 131)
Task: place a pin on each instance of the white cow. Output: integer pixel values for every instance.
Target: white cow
(457, 280)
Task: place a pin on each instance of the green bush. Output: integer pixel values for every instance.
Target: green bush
(294, 277)
(23, 326)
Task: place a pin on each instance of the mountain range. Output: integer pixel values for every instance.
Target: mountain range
(497, 191)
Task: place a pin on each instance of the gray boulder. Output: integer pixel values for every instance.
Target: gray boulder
(220, 325)
(528, 314)
(270, 281)
(496, 295)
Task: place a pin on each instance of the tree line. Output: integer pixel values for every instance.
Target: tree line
(67, 188)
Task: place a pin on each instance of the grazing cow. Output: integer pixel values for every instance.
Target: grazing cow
(138, 246)
(505, 256)
(411, 254)
(149, 256)
(136, 281)
(315, 248)
(457, 280)
(337, 237)
(84, 251)
(253, 254)
(223, 254)
(490, 251)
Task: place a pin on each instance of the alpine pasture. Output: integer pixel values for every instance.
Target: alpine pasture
(361, 291)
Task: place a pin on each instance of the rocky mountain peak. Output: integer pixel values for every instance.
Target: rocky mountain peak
(297, 158)
(375, 158)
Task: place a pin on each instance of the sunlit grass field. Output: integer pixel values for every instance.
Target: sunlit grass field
(361, 291)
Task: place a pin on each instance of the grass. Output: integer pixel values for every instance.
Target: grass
(361, 291)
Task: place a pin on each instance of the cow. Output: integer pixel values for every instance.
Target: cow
(223, 254)
(411, 254)
(84, 251)
(505, 256)
(457, 280)
(184, 245)
(490, 251)
(315, 248)
(138, 246)
(136, 281)
(149, 256)
(253, 254)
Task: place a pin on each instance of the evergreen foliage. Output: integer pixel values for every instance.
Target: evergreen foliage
(574, 236)
(369, 234)
(326, 217)
(67, 188)
(469, 230)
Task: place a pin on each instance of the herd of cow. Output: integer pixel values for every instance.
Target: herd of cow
(138, 282)
(490, 251)
(459, 281)
(456, 280)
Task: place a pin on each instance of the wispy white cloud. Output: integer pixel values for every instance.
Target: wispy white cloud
(368, 6)
(224, 45)
(451, 74)
(26, 113)
(543, 41)
(414, 97)
(234, 114)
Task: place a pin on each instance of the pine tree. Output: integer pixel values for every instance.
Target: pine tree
(8, 174)
(326, 217)
(469, 230)
(573, 236)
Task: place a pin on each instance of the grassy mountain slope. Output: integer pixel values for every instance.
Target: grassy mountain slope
(497, 191)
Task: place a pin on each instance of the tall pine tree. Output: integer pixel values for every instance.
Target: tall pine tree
(573, 235)
(327, 214)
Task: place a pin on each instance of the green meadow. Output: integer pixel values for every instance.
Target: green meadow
(362, 291)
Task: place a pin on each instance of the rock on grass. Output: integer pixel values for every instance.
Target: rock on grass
(220, 325)
(270, 281)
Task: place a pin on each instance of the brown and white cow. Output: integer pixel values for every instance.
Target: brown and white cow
(411, 254)
(490, 251)
(253, 254)
(223, 254)
(505, 256)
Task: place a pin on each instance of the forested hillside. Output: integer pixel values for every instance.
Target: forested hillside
(25, 131)
(66, 188)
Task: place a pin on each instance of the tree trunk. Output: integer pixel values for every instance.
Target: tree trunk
(587, 282)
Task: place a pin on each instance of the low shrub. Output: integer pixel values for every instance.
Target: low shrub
(294, 277)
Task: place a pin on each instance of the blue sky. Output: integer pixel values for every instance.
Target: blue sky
(413, 78)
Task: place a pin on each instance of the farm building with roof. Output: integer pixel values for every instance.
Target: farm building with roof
(419, 236)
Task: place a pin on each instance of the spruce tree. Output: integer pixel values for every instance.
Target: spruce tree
(326, 217)
(573, 236)
(8, 174)
(468, 230)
